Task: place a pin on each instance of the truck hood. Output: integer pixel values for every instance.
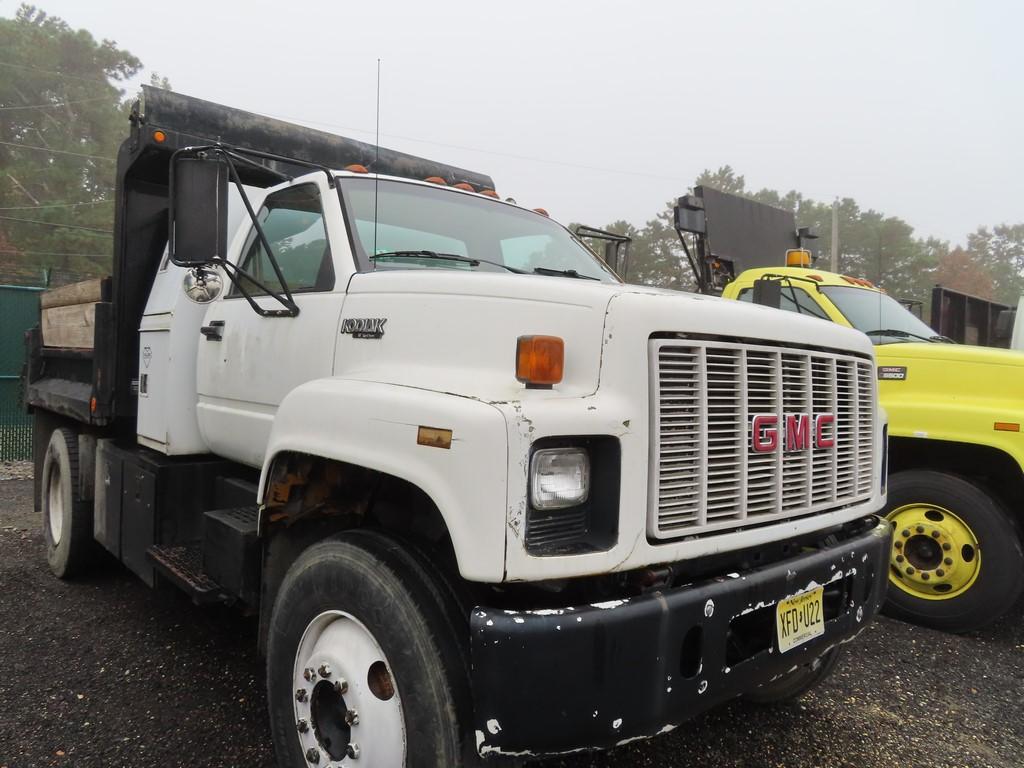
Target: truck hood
(456, 331)
(954, 353)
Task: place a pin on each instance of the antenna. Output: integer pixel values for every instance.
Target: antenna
(376, 164)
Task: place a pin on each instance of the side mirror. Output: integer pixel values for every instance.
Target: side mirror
(768, 293)
(199, 210)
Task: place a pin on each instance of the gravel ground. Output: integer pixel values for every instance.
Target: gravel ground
(105, 672)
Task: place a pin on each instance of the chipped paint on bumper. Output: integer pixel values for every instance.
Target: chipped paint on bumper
(585, 677)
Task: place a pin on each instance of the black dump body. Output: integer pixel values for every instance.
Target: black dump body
(95, 386)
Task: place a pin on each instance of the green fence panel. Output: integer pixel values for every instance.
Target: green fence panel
(19, 311)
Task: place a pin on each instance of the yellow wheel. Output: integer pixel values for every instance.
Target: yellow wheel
(935, 554)
(957, 561)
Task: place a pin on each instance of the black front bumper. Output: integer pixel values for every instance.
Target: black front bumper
(593, 676)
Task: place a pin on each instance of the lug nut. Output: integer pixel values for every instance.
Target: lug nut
(351, 717)
(309, 674)
(940, 573)
(906, 531)
(325, 670)
(300, 694)
(302, 725)
(352, 750)
(935, 534)
(341, 686)
(313, 755)
(898, 544)
(920, 529)
(948, 561)
(899, 558)
(925, 576)
(947, 546)
(910, 571)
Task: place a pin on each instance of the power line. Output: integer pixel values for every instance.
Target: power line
(482, 151)
(53, 205)
(57, 151)
(54, 224)
(48, 253)
(54, 72)
(51, 105)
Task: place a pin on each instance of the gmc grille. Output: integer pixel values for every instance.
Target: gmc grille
(706, 476)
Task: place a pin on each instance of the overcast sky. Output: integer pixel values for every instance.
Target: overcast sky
(605, 110)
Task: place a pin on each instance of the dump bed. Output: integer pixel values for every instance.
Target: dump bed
(70, 352)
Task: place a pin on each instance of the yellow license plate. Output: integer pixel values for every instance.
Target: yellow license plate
(800, 618)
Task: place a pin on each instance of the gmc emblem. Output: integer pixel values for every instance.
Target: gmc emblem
(796, 430)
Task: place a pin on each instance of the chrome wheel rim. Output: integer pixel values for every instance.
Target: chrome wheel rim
(348, 710)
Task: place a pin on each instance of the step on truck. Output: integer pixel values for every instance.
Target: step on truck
(485, 499)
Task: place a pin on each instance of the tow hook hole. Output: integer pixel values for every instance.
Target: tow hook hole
(967, 553)
(934, 515)
(378, 680)
(691, 652)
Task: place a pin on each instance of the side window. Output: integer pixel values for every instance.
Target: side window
(293, 222)
(795, 300)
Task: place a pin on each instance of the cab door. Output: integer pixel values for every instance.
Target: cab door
(248, 363)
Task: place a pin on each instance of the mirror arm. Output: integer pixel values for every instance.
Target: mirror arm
(286, 300)
(237, 275)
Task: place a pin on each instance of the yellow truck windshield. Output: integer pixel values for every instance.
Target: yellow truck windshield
(878, 315)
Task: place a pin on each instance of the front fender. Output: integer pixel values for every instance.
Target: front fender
(376, 425)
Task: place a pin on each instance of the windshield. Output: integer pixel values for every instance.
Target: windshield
(412, 217)
(871, 312)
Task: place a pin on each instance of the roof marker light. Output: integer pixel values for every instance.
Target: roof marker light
(436, 180)
(356, 168)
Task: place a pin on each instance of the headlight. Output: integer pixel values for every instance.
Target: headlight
(559, 478)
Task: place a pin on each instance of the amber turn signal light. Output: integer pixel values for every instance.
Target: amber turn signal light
(159, 137)
(540, 360)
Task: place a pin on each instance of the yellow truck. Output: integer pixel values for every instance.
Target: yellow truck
(956, 451)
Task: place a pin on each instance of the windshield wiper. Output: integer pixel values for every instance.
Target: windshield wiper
(562, 273)
(901, 334)
(473, 262)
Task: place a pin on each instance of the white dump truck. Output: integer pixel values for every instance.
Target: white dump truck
(486, 499)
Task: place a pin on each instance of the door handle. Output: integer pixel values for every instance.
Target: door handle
(214, 331)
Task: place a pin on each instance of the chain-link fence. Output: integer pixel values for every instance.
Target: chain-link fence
(19, 311)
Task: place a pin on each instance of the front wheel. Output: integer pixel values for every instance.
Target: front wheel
(364, 663)
(956, 562)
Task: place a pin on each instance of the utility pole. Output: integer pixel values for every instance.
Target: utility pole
(835, 236)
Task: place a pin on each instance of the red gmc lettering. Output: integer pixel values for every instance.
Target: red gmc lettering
(798, 432)
(765, 433)
(820, 422)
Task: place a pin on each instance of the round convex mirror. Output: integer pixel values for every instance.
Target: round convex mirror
(202, 285)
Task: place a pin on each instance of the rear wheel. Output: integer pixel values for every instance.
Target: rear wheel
(956, 562)
(67, 520)
(364, 660)
(795, 684)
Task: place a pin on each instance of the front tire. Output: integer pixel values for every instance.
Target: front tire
(956, 563)
(365, 659)
(67, 520)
